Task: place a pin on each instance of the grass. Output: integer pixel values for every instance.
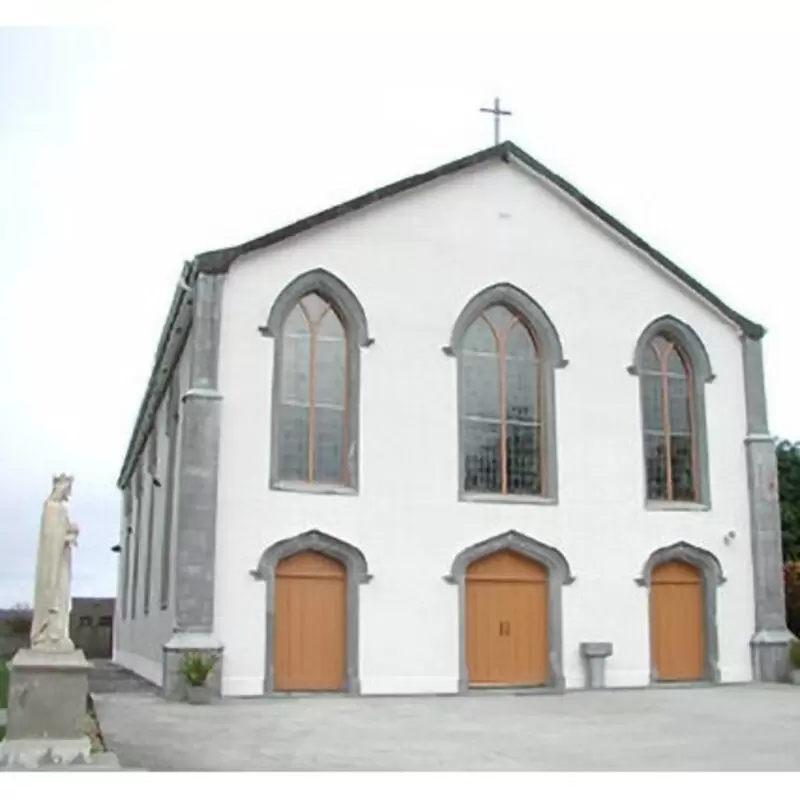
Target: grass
(3, 684)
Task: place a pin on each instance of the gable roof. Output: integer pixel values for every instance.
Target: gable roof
(215, 261)
(219, 261)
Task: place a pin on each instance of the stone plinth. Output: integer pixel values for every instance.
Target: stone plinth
(594, 655)
(46, 709)
(173, 683)
(770, 655)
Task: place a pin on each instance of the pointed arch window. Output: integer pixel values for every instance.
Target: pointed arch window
(314, 441)
(669, 429)
(507, 349)
(673, 367)
(319, 327)
(501, 414)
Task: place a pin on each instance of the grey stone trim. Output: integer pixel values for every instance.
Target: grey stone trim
(333, 289)
(137, 536)
(755, 396)
(351, 312)
(702, 373)
(195, 539)
(173, 418)
(685, 336)
(519, 302)
(559, 574)
(711, 570)
(357, 573)
(551, 356)
(769, 642)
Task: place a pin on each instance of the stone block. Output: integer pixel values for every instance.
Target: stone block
(770, 655)
(174, 685)
(47, 698)
(594, 655)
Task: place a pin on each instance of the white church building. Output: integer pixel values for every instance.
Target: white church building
(459, 433)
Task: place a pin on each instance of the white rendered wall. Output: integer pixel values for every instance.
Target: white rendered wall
(414, 262)
(138, 641)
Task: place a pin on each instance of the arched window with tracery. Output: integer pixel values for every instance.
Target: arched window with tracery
(669, 430)
(507, 349)
(313, 394)
(318, 326)
(673, 367)
(501, 412)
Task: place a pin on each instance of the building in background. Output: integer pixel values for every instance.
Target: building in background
(91, 622)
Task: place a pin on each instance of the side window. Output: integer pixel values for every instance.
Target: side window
(313, 395)
(319, 328)
(673, 368)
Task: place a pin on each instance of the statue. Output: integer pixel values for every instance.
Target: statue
(57, 537)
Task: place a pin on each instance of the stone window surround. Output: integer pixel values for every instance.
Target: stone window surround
(700, 366)
(345, 302)
(357, 573)
(559, 575)
(711, 570)
(551, 358)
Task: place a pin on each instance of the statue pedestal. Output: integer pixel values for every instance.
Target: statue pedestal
(46, 709)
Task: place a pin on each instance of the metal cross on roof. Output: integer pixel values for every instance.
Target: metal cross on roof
(498, 112)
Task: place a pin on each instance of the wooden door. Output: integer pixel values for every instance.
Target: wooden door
(677, 632)
(506, 624)
(310, 623)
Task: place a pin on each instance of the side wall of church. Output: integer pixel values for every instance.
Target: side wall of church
(414, 262)
(148, 621)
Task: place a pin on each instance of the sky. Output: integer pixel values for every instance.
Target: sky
(126, 150)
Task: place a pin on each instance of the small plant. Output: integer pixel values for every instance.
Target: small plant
(196, 667)
(794, 653)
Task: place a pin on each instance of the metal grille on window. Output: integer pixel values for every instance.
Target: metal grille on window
(501, 420)
(313, 394)
(668, 415)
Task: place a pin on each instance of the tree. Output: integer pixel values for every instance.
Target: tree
(788, 454)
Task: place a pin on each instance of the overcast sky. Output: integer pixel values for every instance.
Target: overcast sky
(123, 154)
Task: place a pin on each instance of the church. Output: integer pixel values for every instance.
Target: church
(464, 432)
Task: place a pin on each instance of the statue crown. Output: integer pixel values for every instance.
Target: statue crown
(61, 478)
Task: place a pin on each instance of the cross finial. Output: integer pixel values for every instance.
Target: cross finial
(498, 112)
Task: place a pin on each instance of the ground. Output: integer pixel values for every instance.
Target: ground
(752, 727)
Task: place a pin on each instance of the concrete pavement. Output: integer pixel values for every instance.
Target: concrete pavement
(749, 727)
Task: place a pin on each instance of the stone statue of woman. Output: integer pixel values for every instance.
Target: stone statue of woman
(57, 537)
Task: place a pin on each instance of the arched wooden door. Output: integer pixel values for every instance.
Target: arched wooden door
(677, 631)
(506, 621)
(310, 623)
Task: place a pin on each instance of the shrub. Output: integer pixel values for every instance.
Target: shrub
(794, 654)
(791, 582)
(196, 667)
